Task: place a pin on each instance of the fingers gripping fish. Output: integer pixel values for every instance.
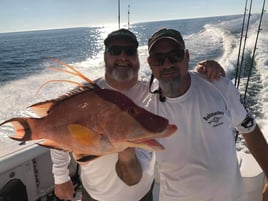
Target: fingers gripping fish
(91, 121)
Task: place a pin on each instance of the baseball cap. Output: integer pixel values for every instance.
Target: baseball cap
(166, 33)
(121, 33)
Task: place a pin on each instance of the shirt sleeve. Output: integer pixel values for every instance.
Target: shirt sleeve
(241, 116)
(60, 162)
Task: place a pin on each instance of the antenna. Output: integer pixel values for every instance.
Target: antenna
(118, 14)
(128, 13)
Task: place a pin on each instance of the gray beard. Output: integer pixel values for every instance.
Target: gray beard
(123, 76)
(170, 87)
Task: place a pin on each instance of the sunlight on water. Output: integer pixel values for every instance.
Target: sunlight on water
(214, 41)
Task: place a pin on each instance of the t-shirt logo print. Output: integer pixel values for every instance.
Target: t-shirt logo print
(248, 122)
(214, 118)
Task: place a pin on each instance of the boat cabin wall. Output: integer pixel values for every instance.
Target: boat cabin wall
(34, 172)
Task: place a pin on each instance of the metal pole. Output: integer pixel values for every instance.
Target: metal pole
(118, 14)
(244, 47)
(128, 16)
(238, 66)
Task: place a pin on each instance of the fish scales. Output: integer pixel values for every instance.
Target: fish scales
(91, 122)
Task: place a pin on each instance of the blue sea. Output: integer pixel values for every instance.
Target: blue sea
(24, 59)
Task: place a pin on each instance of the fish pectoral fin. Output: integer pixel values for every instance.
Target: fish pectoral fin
(84, 135)
(51, 144)
(84, 157)
(42, 109)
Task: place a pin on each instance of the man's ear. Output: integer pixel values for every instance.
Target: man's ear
(187, 55)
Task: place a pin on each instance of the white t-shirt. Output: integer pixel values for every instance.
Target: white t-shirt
(199, 161)
(99, 176)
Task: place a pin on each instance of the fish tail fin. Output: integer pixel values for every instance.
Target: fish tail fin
(22, 128)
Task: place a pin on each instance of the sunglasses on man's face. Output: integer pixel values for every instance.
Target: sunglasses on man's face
(117, 50)
(174, 56)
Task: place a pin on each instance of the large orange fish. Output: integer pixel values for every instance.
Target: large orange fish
(91, 121)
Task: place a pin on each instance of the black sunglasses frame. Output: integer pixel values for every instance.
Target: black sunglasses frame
(174, 56)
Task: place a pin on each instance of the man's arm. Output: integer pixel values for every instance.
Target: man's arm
(63, 185)
(212, 69)
(258, 147)
(65, 191)
(128, 167)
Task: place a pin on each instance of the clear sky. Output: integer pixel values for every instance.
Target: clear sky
(24, 15)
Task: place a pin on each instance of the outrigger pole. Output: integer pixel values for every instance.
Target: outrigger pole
(244, 47)
(240, 44)
(254, 50)
(118, 14)
(239, 66)
(128, 12)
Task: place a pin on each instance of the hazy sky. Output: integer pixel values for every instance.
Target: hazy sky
(23, 15)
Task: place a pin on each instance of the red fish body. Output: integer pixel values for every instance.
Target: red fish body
(92, 121)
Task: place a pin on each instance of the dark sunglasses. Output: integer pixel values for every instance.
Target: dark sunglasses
(117, 50)
(158, 59)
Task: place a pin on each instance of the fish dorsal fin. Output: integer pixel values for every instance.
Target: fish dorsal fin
(69, 70)
(76, 91)
(42, 109)
(84, 135)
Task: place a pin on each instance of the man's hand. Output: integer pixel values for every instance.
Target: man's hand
(211, 68)
(128, 167)
(65, 191)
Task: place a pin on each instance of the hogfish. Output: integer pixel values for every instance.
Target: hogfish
(91, 121)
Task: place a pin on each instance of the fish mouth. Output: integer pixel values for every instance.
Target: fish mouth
(148, 141)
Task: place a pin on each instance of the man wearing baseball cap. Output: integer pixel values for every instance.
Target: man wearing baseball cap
(199, 161)
(99, 176)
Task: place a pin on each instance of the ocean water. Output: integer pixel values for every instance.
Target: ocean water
(24, 60)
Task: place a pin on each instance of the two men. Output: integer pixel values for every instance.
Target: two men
(100, 176)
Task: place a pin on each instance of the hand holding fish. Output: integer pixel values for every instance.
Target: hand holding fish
(128, 168)
(91, 122)
(65, 191)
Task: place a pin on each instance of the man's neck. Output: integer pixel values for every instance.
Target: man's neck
(183, 88)
(123, 85)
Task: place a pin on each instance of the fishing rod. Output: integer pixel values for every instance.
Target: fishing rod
(239, 65)
(240, 43)
(254, 50)
(244, 46)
